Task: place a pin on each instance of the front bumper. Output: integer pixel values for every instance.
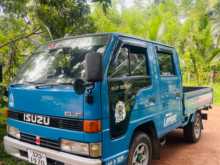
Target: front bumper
(15, 148)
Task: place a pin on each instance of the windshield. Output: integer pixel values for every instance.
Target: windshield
(61, 61)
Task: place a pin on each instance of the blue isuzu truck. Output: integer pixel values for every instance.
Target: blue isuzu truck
(101, 99)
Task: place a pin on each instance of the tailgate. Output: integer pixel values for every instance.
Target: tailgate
(197, 98)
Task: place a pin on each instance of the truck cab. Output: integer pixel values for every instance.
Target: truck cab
(100, 99)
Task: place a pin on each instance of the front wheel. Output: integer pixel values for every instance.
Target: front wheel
(193, 131)
(141, 150)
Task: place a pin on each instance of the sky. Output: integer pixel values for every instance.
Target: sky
(129, 3)
(1, 11)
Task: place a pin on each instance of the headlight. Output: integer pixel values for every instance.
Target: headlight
(95, 149)
(92, 149)
(75, 147)
(14, 132)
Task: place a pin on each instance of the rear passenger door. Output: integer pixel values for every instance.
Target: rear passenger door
(170, 87)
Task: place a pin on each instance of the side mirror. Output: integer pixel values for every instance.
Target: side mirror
(1, 73)
(94, 67)
(93, 72)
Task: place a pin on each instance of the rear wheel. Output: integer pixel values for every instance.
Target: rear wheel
(193, 131)
(141, 150)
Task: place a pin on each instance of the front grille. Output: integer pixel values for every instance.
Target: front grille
(70, 124)
(52, 144)
(49, 161)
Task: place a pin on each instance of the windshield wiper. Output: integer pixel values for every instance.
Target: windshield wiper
(53, 84)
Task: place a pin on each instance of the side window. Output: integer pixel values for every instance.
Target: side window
(130, 61)
(166, 64)
(137, 58)
(120, 65)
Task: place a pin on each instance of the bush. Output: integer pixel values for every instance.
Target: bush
(3, 97)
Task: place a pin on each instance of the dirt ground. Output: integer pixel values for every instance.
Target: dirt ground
(205, 152)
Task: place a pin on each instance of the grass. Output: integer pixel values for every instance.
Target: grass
(5, 159)
(216, 88)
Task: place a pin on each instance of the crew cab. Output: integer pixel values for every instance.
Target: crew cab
(105, 98)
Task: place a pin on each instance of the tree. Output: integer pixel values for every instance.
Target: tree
(214, 15)
(57, 17)
(184, 25)
(190, 26)
(15, 44)
(25, 24)
(198, 48)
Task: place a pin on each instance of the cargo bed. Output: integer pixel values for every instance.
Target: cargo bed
(196, 98)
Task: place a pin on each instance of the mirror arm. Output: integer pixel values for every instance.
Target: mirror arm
(90, 86)
(89, 96)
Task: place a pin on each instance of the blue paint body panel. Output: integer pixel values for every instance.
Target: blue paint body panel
(166, 106)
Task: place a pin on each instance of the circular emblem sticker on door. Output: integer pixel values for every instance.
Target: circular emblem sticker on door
(120, 112)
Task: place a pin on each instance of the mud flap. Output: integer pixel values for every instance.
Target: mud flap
(156, 148)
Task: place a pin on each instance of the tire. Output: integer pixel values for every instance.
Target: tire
(193, 131)
(140, 152)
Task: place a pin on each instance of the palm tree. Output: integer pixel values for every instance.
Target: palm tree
(214, 15)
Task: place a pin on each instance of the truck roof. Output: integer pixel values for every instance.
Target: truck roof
(115, 34)
(142, 39)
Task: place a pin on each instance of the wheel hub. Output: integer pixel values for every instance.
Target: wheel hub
(141, 155)
(197, 127)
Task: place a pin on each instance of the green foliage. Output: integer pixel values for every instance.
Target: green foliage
(56, 17)
(190, 26)
(185, 25)
(26, 24)
(14, 53)
(66, 17)
(3, 98)
(216, 88)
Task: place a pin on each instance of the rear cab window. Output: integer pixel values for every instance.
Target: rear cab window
(166, 63)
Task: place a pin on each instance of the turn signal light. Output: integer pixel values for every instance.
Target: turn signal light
(92, 126)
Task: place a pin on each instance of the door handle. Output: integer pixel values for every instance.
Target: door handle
(152, 99)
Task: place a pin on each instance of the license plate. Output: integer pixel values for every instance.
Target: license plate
(37, 158)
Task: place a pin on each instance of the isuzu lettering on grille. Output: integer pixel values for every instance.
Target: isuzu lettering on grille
(37, 119)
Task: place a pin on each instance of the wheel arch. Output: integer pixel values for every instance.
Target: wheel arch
(150, 129)
(192, 116)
